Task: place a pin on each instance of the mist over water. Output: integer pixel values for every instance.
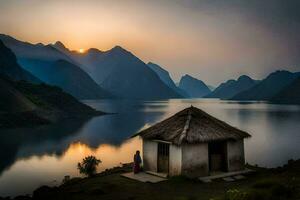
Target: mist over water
(32, 157)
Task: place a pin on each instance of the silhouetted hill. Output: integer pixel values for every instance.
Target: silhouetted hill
(27, 104)
(232, 87)
(12, 100)
(123, 74)
(268, 87)
(23, 103)
(9, 66)
(289, 94)
(166, 78)
(193, 87)
(66, 75)
(54, 67)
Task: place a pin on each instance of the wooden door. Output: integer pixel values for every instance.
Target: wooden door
(163, 158)
(217, 156)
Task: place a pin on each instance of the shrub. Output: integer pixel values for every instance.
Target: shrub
(88, 166)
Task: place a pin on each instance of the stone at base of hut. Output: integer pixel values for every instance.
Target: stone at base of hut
(228, 179)
(143, 177)
(239, 177)
(207, 181)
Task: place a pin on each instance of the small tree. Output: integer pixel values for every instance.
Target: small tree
(88, 166)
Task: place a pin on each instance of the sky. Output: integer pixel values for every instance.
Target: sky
(213, 40)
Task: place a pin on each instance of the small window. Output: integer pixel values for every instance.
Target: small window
(163, 149)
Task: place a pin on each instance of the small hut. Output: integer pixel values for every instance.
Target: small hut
(194, 144)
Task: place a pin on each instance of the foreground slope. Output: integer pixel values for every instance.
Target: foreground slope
(276, 184)
(27, 104)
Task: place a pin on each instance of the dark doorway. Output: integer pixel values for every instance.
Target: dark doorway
(217, 155)
(163, 158)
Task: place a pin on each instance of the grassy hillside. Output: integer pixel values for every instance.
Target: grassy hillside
(277, 184)
(28, 104)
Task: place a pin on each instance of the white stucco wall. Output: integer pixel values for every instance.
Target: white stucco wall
(175, 160)
(235, 155)
(150, 155)
(195, 160)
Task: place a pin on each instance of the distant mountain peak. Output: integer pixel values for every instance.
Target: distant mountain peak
(119, 49)
(280, 72)
(243, 78)
(187, 76)
(232, 87)
(194, 87)
(93, 50)
(40, 44)
(268, 87)
(59, 44)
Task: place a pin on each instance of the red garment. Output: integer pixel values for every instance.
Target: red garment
(137, 163)
(136, 168)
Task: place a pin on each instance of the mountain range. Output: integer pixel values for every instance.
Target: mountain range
(290, 94)
(55, 68)
(10, 67)
(164, 75)
(268, 87)
(25, 101)
(66, 75)
(193, 87)
(118, 73)
(121, 73)
(232, 87)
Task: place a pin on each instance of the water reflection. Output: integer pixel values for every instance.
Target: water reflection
(43, 155)
(23, 143)
(50, 170)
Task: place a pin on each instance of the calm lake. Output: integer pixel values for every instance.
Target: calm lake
(30, 158)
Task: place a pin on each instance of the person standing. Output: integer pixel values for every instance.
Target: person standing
(137, 161)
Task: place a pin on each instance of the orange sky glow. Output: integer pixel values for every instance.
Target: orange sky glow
(182, 38)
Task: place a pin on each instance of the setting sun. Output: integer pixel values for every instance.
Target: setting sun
(81, 50)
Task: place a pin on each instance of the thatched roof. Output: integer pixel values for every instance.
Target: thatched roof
(192, 125)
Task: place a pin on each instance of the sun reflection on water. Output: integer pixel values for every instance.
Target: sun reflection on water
(55, 167)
